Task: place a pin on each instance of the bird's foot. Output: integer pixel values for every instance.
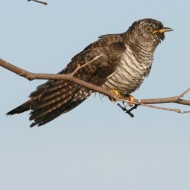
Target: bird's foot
(117, 95)
(131, 100)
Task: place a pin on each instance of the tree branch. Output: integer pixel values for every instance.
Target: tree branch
(143, 102)
(42, 2)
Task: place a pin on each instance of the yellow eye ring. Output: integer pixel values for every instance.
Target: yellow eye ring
(149, 28)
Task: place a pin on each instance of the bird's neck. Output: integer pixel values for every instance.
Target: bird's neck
(143, 53)
(142, 50)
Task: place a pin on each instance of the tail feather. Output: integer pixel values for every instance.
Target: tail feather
(53, 94)
(55, 104)
(45, 118)
(52, 99)
(22, 108)
(49, 87)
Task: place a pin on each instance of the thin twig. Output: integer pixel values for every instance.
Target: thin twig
(183, 94)
(163, 108)
(81, 66)
(42, 2)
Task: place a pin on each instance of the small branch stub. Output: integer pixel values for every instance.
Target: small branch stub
(42, 2)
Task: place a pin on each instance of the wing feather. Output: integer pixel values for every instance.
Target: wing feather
(55, 97)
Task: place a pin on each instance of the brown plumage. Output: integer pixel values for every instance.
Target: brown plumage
(114, 62)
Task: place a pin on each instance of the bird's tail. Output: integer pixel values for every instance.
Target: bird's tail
(52, 99)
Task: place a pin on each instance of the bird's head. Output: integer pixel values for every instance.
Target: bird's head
(148, 31)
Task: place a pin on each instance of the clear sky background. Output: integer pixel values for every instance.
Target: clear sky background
(96, 146)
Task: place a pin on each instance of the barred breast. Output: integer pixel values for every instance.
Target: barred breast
(130, 72)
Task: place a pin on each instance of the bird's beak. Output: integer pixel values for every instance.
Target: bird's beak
(162, 30)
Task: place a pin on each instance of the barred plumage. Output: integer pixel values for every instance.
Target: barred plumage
(129, 73)
(115, 62)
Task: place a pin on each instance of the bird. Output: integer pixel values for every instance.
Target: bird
(115, 62)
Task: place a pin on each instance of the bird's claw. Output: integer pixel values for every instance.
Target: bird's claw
(131, 100)
(117, 95)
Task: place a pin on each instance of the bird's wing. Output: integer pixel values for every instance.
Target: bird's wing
(55, 97)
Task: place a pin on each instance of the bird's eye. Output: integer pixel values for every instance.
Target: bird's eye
(149, 28)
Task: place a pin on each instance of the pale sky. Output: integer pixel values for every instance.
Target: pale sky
(96, 146)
